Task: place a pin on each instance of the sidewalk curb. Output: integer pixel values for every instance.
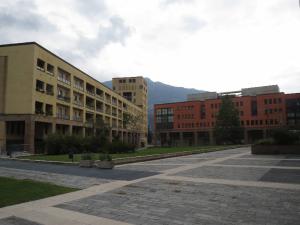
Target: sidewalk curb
(127, 160)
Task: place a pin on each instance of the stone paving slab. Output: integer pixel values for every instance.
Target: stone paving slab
(157, 201)
(231, 173)
(265, 162)
(16, 221)
(147, 167)
(282, 176)
(59, 179)
(115, 174)
(176, 160)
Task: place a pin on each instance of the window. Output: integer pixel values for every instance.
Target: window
(50, 68)
(266, 101)
(270, 101)
(64, 76)
(242, 122)
(241, 103)
(248, 123)
(40, 64)
(39, 86)
(49, 89)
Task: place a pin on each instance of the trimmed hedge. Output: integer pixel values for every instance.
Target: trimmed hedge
(59, 144)
(120, 147)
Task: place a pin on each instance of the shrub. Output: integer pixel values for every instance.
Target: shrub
(105, 157)
(285, 137)
(86, 156)
(119, 147)
(268, 141)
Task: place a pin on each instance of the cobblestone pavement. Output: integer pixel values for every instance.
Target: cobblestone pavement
(227, 187)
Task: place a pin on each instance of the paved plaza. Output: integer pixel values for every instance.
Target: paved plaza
(225, 187)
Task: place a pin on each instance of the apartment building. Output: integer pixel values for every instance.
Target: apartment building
(40, 94)
(261, 110)
(135, 89)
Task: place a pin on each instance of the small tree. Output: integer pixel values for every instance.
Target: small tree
(228, 129)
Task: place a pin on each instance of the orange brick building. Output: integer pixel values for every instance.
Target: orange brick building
(261, 110)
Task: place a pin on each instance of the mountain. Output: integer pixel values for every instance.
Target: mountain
(159, 92)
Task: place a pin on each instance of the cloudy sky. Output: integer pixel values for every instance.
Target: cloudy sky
(214, 45)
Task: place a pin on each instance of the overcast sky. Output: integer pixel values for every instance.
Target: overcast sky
(214, 45)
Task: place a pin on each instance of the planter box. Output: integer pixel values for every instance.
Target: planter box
(275, 149)
(86, 163)
(104, 164)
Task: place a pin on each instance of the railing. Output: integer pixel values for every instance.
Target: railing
(78, 87)
(63, 117)
(100, 96)
(63, 98)
(68, 82)
(107, 112)
(114, 114)
(90, 106)
(39, 111)
(90, 92)
(49, 113)
(99, 109)
(78, 118)
(78, 103)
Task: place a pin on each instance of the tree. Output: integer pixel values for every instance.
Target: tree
(228, 129)
(133, 122)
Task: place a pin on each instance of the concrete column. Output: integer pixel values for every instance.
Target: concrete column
(53, 128)
(181, 138)
(2, 136)
(264, 133)
(83, 131)
(29, 135)
(110, 136)
(70, 129)
(246, 139)
(212, 140)
(195, 138)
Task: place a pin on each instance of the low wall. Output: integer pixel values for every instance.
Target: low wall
(275, 149)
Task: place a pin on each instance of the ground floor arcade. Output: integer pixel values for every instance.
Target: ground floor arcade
(203, 137)
(27, 132)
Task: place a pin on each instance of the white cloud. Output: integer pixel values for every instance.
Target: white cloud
(217, 45)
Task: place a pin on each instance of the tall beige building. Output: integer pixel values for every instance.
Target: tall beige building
(135, 89)
(40, 94)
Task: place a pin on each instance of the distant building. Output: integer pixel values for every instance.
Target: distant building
(135, 89)
(261, 110)
(40, 94)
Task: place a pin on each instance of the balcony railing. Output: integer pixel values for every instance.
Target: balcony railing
(39, 111)
(114, 113)
(100, 96)
(63, 98)
(99, 109)
(68, 82)
(90, 106)
(63, 116)
(79, 103)
(50, 93)
(90, 92)
(78, 118)
(78, 87)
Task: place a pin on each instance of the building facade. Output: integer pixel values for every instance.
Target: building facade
(261, 110)
(40, 94)
(135, 89)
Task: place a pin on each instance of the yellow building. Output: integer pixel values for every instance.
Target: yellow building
(40, 94)
(135, 90)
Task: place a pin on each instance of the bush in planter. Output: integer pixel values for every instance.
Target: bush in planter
(105, 157)
(285, 137)
(86, 156)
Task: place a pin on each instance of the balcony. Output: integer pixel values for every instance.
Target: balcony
(61, 79)
(78, 118)
(78, 103)
(92, 107)
(79, 87)
(99, 110)
(63, 116)
(63, 98)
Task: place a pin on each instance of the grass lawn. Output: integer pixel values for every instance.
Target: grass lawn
(13, 191)
(148, 151)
